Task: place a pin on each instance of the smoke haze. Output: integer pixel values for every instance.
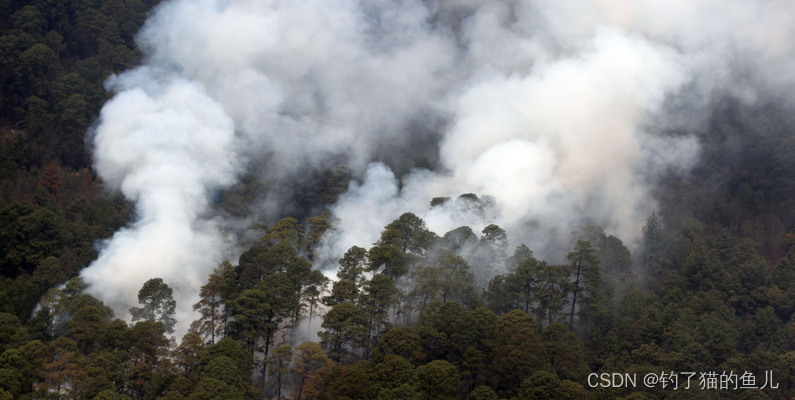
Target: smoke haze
(564, 111)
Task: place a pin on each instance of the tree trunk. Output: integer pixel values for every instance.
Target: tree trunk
(309, 320)
(268, 338)
(574, 300)
(301, 387)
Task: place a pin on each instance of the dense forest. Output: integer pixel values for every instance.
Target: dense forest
(703, 302)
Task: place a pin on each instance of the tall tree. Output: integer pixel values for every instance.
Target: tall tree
(259, 312)
(378, 295)
(437, 380)
(426, 285)
(279, 366)
(317, 227)
(652, 241)
(563, 353)
(489, 255)
(585, 269)
(342, 291)
(315, 285)
(286, 230)
(409, 234)
(212, 313)
(552, 291)
(460, 240)
(352, 265)
(455, 280)
(346, 327)
(158, 304)
(311, 366)
(525, 280)
(186, 355)
(499, 294)
(521, 254)
(515, 352)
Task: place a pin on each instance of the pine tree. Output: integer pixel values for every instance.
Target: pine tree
(158, 303)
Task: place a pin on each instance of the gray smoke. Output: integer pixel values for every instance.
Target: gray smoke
(561, 110)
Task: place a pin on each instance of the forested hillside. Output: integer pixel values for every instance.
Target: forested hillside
(702, 300)
(55, 59)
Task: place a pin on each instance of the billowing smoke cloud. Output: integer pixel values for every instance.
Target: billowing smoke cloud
(165, 146)
(561, 110)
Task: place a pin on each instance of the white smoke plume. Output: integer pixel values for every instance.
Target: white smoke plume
(165, 146)
(558, 109)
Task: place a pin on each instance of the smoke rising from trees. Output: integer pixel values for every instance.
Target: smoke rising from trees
(564, 112)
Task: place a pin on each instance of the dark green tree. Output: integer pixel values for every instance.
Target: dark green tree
(455, 281)
(378, 295)
(157, 301)
(316, 228)
(28, 235)
(186, 355)
(587, 280)
(401, 341)
(409, 234)
(437, 380)
(564, 354)
(392, 372)
(211, 305)
(345, 328)
(314, 286)
(515, 352)
(342, 291)
(546, 385)
(279, 366)
(259, 312)
(552, 291)
(311, 366)
(286, 230)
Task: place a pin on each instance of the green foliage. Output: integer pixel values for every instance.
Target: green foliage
(437, 201)
(229, 348)
(459, 240)
(392, 372)
(400, 341)
(255, 315)
(28, 234)
(515, 353)
(352, 265)
(212, 296)
(448, 331)
(316, 228)
(348, 382)
(186, 355)
(587, 281)
(286, 230)
(546, 385)
(482, 392)
(214, 389)
(311, 366)
(346, 327)
(110, 395)
(279, 368)
(455, 282)
(377, 296)
(564, 354)
(407, 233)
(437, 380)
(9, 325)
(342, 291)
(388, 260)
(158, 303)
